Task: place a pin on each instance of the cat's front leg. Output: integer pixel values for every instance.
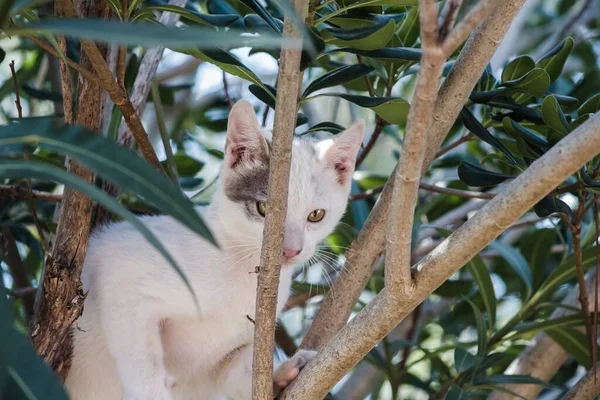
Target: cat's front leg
(234, 373)
(134, 341)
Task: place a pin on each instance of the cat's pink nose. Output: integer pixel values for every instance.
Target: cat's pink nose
(291, 253)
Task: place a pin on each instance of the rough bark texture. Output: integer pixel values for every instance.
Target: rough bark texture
(60, 299)
(543, 357)
(588, 387)
(408, 173)
(369, 244)
(288, 86)
(382, 314)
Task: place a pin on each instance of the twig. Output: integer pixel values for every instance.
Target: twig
(164, 133)
(366, 78)
(379, 125)
(447, 18)
(17, 269)
(15, 192)
(464, 28)
(23, 292)
(285, 341)
(288, 86)
(90, 76)
(141, 88)
(300, 299)
(16, 85)
(122, 50)
(226, 90)
(453, 145)
(404, 198)
(367, 194)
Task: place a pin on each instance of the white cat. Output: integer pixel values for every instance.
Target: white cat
(141, 337)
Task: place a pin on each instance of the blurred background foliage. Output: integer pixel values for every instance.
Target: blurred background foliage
(542, 83)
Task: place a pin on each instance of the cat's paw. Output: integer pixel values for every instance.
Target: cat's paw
(289, 369)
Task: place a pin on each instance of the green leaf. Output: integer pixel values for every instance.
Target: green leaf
(517, 68)
(228, 63)
(550, 205)
(476, 176)
(454, 288)
(574, 342)
(591, 105)
(509, 379)
(264, 14)
(366, 38)
(266, 94)
(457, 393)
(186, 165)
(566, 101)
(473, 125)
(554, 61)
(196, 17)
(463, 360)
(389, 54)
(560, 322)
(516, 261)
(493, 389)
(5, 8)
(43, 171)
(481, 332)
(516, 130)
(392, 109)
(566, 271)
(330, 127)
(554, 117)
(536, 253)
(481, 275)
(408, 33)
(536, 82)
(111, 161)
(149, 34)
(338, 76)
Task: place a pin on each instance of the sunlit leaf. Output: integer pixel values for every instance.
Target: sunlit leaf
(517, 68)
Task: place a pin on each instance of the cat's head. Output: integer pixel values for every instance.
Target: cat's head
(320, 180)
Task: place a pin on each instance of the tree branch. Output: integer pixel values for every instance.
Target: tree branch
(14, 192)
(18, 270)
(288, 86)
(366, 329)
(460, 33)
(408, 173)
(369, 244)
(447, 18)
(587, 388)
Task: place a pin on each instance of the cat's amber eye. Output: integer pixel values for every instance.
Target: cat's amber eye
(261, 207)
(316, 215)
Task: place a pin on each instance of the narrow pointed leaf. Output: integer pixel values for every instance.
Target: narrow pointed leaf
(481, 332)
(366, 38)
(43, 171)
(477, 128)
(476, 176)
(481, 275)
(390, 54)
(463, 360)
(574, 342)
(516, 261)
(392, 109)
(330, 127)
(338, 76)
(510, 379)
(111, 161)
(188, 16)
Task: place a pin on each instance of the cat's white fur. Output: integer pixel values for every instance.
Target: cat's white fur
(141, 337)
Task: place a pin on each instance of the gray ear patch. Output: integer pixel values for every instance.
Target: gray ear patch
(248, 184)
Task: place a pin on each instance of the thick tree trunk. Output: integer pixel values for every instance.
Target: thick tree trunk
(61, 296)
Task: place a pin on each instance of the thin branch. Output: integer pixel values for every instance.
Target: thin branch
(367, 194)
(408, 174)
(385, 311)
(571, 23)
(464, 28)
(15, 192)
(16, 86)
(142, 86)
(454, 145)
(164, 133)
(288, 86)
(366, 78)
(18, 270)
(379, 125)
(447, 18)
(456, 192)
(90, 76)
(226, 90)
(285, 341)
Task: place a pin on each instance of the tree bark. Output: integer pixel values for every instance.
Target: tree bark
(60, 297)
(286, 111)
(382, 314)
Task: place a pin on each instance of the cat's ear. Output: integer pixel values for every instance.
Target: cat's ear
(245, 141)
(340, 152)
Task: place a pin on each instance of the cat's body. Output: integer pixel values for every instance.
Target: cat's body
(141, 336)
